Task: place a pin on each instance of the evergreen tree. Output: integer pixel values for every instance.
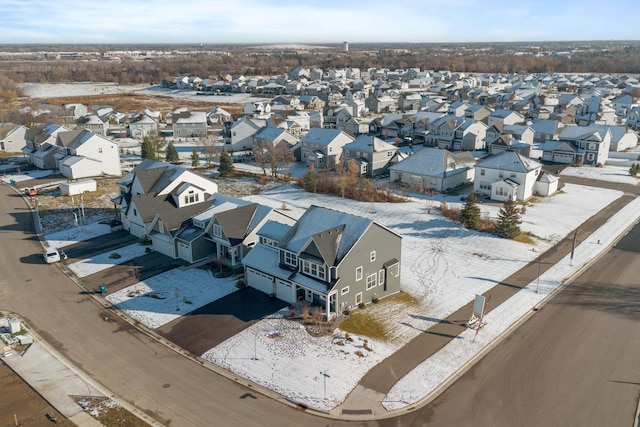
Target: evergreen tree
(195, 158)
(155, 143)
(311, 179)
(172, 154)
(509, 220)
(470, 213)
(146, 151)
(226, 164)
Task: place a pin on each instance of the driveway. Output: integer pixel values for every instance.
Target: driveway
(210, 325)
(98, 245)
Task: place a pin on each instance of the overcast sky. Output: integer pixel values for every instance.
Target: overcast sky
(315, 21)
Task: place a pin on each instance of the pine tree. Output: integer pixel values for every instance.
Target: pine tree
(195, 158)
(311, 179)
(470, 213)
(226, 164)
(154, 143)
(146, 151)
(509, 220)
(172, 154)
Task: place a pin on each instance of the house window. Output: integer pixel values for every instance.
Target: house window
(135, 212)
(481, 172)
(513, 175)
(485, 185)
(99, 149)
(161, 227)
(372, 280)
(344, 290)
(372, 256)
(501, 175)
(290, 258)
(268, 242)
(217, 230)
(192, 197)
(381, 277)
(359, 273)
(359, 298)
(313, 269)
(590, 156)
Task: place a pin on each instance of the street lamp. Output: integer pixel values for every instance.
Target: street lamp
(325, 374)
(538, 280)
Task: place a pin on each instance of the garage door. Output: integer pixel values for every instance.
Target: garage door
(563, 158)
(184, 252)
(260, 281)
(284, 291)
(163, 244)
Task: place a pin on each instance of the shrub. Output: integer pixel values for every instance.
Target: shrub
(362, 306)
(146, 240)
(375, 299)
(115, 255)
(240, 284)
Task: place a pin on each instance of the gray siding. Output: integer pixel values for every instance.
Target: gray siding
(387, 246)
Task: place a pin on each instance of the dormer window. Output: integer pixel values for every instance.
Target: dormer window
(216, 229)
(191, 197)
(290, 259)
(313, 269)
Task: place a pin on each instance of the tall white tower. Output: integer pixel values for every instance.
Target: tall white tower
(346, 46)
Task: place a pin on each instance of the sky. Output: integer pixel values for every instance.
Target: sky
(314, 21)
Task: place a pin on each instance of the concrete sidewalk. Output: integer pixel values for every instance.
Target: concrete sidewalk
(56, 380)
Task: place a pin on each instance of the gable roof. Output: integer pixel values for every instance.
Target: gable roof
(236, 222)
(510, 161)
(334, 233)
(435, 162)
(369, 144)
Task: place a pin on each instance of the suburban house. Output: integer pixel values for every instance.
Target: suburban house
(13, 138)
(218, 115)
(82, 154)
(323, 147)
(239, 134)
(591, 144)
(233, 232)
(93, 123)
(41, 145)
(273, 136)
(327, 258)
(434, 168)
(511, 175)
(456, 133)
(141, 125)
(188, 124)
(506, 117)
(152, 180)
(371, 154)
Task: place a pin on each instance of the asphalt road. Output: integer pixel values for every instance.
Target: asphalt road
(573, 363)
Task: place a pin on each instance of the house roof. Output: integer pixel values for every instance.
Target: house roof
(321, 136)
(369, 144)
(149, 177)
(435, 162)
(274, 230)
(510, 161)
(334, 233)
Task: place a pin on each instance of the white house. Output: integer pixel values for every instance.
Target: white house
(13, 138)
(82, 154)
(510, 175)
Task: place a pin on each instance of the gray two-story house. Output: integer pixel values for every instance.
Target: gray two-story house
(371, 154)
(330, 259)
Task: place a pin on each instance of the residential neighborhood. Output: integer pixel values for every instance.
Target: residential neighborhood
(437, 140)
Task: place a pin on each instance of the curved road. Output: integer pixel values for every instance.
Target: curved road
(573, 363)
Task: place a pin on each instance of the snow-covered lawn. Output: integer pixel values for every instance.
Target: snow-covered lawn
(25, 176)
(432, 372)
(444, 267)
(167, 296)
(77, 234)
(106, 260)
(607, 173)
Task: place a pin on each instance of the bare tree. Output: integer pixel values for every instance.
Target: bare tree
(208, 148)
(273, 155)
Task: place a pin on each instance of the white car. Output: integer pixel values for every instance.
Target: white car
(51, 255)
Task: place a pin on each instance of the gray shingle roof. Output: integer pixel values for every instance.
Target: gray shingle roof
(510, 161)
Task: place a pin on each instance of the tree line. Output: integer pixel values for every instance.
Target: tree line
(624, 59)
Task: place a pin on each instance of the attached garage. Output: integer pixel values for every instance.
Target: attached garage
(163, 244)
(563, 158)
(284, 291)
(184, 251)
(260, 281)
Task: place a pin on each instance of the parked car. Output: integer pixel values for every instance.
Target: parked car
(31, 191)
(51, 255)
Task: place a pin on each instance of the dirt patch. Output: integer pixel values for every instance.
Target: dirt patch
(108, 412)
(18, 401)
